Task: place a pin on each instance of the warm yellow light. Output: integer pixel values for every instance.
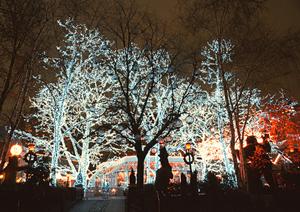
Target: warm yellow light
(1, 176)
(16, 150)
(19, 180)
(113, 191)
(188, 146)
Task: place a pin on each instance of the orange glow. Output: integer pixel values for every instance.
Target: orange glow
(31, 147)
(188, 147)
(15, 150)
(19, 180)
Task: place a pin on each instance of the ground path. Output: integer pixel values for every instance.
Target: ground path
(112, 204)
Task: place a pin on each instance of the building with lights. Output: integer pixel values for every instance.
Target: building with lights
(116, 173)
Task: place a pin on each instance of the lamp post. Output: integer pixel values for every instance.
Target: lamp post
(31, 147)
(188, 156)
(30, 157)
(10, 171)
(188, 147)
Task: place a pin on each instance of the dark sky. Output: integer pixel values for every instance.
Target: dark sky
(279, 15)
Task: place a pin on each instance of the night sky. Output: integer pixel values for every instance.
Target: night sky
(280, 15)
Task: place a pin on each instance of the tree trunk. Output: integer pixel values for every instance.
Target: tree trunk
(140, 170)
(4, 151)
(8, 79)
(56, 145)
(226, 92)
(243, 169)
(235, 163)
(58, 121)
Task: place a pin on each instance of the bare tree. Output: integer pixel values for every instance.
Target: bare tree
(22, 26)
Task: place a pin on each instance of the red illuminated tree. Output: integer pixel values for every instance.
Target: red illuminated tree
(280, 118)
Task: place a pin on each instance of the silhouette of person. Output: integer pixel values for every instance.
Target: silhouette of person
(267, 168)
(132, 177)
(258, 164)
(10, 171)
(183, 184)
(163, 174)
(253, 175)
(194, 183)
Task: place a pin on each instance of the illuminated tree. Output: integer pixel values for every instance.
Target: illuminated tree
(258, 58)
(146, 102)
(239, 100)
(70, 111)
(131, 91)
(279, 118)
(205, 125)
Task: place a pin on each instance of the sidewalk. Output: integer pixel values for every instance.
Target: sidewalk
(100, 204)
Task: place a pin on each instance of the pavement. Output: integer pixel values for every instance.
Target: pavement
(100, 204)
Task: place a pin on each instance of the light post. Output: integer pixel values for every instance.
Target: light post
(31, 147)
(30, 157)
(188, 156)
(10, 171)
(188, 147)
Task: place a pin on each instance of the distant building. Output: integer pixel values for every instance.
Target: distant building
(116, 173)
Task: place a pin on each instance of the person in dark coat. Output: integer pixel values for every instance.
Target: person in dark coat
(183, 184)
(194, 183)
(253, 175)
(132, 177)
(267, 169)
(258, 164)
(164, 173)
(11, 170)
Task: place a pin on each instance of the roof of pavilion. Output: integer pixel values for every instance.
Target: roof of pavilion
(128, 162)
